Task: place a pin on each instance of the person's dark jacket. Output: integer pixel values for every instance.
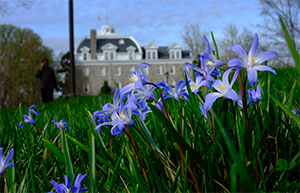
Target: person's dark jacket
(47, 77)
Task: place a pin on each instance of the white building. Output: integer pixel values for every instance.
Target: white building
(104, 55)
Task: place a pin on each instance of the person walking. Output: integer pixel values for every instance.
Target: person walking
(48, 81)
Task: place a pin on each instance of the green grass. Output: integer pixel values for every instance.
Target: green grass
(113, 165)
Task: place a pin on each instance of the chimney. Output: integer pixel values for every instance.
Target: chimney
(93, 45)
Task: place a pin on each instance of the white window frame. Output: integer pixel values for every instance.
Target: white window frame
(153, 55)
(102, 69)
(131, 55)
(119, 73)
(177, 54)
(86, 71)
(159, 70)
(148, 55)
(172, 68)
(109, 55)
(85, 56)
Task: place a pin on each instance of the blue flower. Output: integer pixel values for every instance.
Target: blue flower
(203, 111)
(252, 61)
(28, 118)
(199, 81)
(62, 124)
(137, 79)
(255, 96)
(109, 108)
(224, 89)
(120, 118)
(295, 111)
(4, 163)
(66, 188)
(211, 60)
(176, 92)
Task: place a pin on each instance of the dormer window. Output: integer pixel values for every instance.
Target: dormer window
(109, 51)
(151, 52)
(131, 52)
(175, 51)
(85, 53)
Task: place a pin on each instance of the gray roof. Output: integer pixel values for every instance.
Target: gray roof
(114, 41)
(164, 54)
(162, 50)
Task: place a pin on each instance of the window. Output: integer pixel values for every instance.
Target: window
(117, 70)
(177, 54)
(130, 55)
(86, 88)
(84, 56)
(121, 42)
(148, 55)
(159, 69)
(85, 71)
(106, 56)
(172, 70)
(102, 71)
(111, 56)
(153, 55)
(172, 55)
(132, 69)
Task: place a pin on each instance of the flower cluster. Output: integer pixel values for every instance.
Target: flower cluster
(133, 99)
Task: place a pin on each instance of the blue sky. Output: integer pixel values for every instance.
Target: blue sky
(149, 21)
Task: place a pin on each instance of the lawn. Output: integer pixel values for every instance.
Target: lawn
(158, 155)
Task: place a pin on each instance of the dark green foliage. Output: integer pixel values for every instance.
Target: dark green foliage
(230, 163)
(21, 51)
(105, 89)
(65, 69)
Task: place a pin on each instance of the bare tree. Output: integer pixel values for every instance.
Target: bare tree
(233, 36)
(6, 5)
(193, 38)
(289, 11)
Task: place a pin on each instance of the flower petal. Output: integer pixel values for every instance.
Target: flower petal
(252, 76)
(239, 50)
(264, 68)
(126, 89)
(265, 56)
(254, 47)
(210, 99)
(8, 157)
(194, 67)
(20, 125)
(235, 62)
(231, 94)
(209, 51)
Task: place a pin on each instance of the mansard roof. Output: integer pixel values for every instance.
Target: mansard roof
(104, 41)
